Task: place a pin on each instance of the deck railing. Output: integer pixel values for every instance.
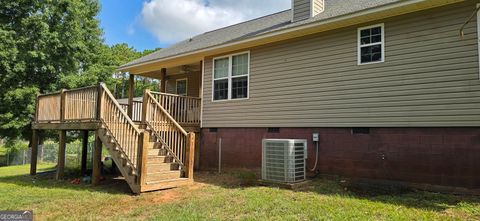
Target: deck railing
(136, 110)
(173, 137)
(81, 104)
(184, 109)
(49, 107)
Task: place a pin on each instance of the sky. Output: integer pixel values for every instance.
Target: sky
(149, 24)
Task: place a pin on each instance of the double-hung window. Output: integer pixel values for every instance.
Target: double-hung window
(371, 44)
(230, 77)
(181, 87)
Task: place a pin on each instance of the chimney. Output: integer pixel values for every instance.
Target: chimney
(305, 9)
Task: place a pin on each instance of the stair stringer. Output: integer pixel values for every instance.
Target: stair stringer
(125, 169)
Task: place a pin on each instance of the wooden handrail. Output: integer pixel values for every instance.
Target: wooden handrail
(174, 95)
(109, 94)
(168, 115)
(184, 109)
(123, 131)
(168, 132)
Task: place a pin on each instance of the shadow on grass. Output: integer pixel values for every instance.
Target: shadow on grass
(45, 179)
(389, 194)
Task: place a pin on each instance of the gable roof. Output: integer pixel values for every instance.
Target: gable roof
(261, 26)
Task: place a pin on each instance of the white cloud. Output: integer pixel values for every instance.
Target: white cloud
(175, 20)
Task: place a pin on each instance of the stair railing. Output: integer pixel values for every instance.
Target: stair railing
(168, 131)
(121, 127)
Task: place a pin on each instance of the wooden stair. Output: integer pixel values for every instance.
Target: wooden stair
(162, 172)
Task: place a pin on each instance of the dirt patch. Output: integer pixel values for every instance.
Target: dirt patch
(228, 178)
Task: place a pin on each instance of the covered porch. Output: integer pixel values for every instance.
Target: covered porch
(180, 91)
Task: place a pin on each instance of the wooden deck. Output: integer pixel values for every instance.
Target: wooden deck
(161, 127)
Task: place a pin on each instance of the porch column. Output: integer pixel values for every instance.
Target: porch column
(200, 83)
(163, 80)
(61, 154)
(131, 94)
(97, 159)
(84, 152)
(34, 154)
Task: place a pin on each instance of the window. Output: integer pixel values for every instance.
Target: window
(230, 77)
(170, 87)
(371, 44)
(181, 87)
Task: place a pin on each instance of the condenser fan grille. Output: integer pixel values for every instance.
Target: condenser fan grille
(283, 160)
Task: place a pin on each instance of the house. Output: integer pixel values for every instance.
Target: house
(390, 86)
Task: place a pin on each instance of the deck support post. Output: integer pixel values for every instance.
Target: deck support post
(61, 154)
(84, 152)
(190, 152)
(131, 94)
(142, 157)
(97, 159)
(34, 153)
(163, 79)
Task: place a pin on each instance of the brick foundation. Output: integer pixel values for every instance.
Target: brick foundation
(440, 156)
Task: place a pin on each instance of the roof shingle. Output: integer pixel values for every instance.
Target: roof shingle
(267, 24)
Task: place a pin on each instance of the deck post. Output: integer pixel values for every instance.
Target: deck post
(99, 102)
(97, 159)
(163, 80)
(61, 154)
(131, 94)
(34, 154)
(84, 152)
(62, 105)
(143, 142)
(190, 152)
(146, 93)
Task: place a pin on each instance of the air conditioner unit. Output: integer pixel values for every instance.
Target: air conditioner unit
(284, 160)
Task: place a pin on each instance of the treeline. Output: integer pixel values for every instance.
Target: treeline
(49, 45)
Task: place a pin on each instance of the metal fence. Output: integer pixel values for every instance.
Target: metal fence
(48, 153)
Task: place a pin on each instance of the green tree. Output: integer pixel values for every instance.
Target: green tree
(44, 45)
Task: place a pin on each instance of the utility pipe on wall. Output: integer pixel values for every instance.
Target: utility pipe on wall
(220, 155)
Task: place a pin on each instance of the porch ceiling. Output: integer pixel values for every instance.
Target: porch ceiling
(174, 70)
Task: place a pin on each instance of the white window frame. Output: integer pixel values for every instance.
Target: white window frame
(360, 46)
(230, 77)
(186, 86)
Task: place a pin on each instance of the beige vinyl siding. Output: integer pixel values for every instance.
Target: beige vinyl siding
(193, 82)
(430, 77)
(301, 9)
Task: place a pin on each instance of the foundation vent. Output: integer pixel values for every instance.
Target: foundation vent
(284, 160)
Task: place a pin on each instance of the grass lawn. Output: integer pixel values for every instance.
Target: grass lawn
(229, 196)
